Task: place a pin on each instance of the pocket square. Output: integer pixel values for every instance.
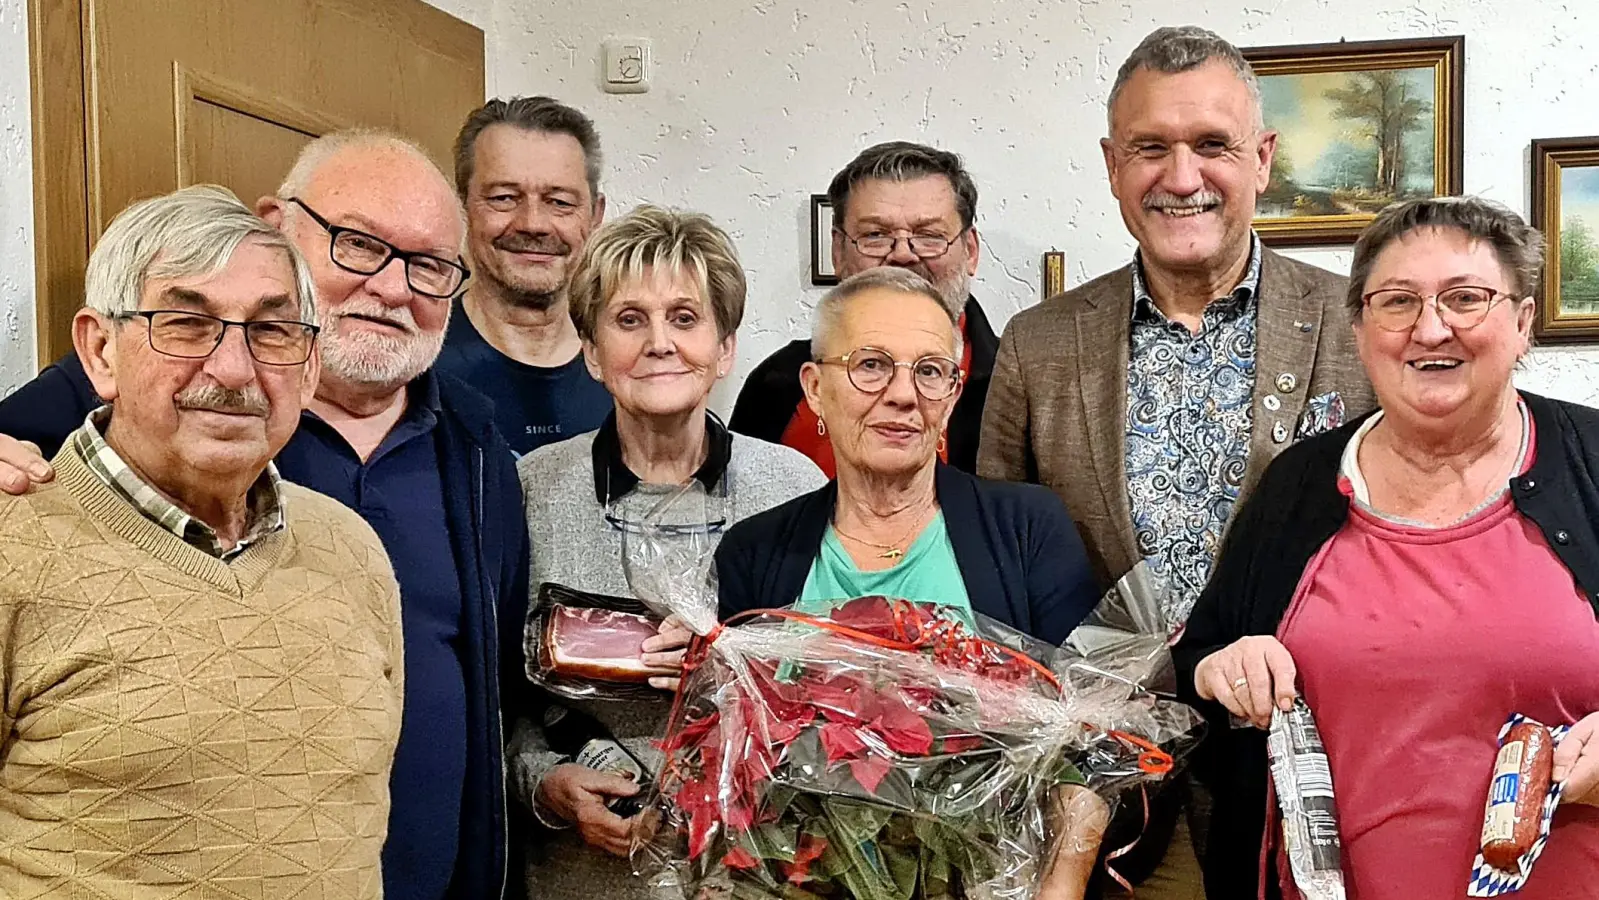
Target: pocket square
(1323, 412)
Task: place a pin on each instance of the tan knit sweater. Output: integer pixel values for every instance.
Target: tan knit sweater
(175, 726)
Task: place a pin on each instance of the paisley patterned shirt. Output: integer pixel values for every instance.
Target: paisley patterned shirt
(1189, 420)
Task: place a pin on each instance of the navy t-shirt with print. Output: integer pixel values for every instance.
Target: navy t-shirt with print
(533, 405)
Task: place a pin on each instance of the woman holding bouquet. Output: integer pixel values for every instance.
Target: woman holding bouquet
(657, 297)
(883, 381)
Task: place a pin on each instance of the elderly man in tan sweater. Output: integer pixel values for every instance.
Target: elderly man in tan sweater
(199, 663)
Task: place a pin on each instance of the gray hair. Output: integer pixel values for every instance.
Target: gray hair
(1518, 246)
(824, 323)
(664, 240)
(1183, 48)
(189, 233)
(539, 114)
(903, 161)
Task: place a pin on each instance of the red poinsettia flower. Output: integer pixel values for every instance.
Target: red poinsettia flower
(810, 849)
(739, 858)
(903, 730)
(869, 771)
(841, 741)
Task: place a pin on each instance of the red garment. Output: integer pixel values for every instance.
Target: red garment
(801, 433)
(1414, 645)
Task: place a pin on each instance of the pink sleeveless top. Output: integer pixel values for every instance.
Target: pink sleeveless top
(1414, 645)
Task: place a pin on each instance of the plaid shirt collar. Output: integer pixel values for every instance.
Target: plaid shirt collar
(265, 498)
(1240, 300)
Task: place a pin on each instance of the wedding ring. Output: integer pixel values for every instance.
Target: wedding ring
(1239, 682)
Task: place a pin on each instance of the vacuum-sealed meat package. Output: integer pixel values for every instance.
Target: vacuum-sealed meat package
(1303, 780)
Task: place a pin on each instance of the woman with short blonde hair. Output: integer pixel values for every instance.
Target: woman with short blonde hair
(657, 297)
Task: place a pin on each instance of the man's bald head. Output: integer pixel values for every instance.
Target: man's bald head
(379, 333)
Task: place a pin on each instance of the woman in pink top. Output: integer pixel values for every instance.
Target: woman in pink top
(1417, 576)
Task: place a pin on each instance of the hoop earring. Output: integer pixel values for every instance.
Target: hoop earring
(943, 444)
(821, 427)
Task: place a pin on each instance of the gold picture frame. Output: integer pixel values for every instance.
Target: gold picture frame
(1359, 125)
(1565, 183)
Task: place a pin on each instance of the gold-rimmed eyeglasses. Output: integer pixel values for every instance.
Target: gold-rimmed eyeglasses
(871, 370)
(1463, 306)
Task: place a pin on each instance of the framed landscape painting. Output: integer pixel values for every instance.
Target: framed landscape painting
(1359, 126)
(1565, 207)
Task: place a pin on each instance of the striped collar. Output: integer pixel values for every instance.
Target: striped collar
(265, 498)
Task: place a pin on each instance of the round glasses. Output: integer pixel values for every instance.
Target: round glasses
(872, 370)
(1463, 306)
(192, 335)
(365, 254)
(880, 245)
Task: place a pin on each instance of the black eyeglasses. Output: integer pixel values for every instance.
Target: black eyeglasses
(1463, 307)
(880, 245)
(872, 370)
(365, 254)
(192, 335)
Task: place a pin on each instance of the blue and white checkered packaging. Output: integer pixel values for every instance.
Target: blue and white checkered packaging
(1487, 881)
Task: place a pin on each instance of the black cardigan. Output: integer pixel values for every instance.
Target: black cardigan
(1295, 510)
(1020, 557)
(771, 394)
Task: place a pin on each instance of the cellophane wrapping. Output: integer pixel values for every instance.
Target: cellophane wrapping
(886, 752)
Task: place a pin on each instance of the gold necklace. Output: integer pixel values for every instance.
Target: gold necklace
(890, 551)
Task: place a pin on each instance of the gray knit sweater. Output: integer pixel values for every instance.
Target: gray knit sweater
(574, 545)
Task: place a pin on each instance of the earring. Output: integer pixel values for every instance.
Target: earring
(821, 427)
(943, 444)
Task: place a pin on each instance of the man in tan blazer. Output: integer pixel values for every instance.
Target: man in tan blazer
(1151, 398)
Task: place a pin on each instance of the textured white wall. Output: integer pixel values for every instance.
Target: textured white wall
(16, 200)
(756, 103)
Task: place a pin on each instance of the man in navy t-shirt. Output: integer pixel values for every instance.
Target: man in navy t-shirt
(528, 170)
(533, 405)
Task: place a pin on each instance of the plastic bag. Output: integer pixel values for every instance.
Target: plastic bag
(883, 751)
(1303, 780)
(669, 555)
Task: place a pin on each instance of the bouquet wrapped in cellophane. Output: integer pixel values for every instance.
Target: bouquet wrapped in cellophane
(888, 751)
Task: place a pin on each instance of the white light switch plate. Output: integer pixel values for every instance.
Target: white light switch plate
(627, 65)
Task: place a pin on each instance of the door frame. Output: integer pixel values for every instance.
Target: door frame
(60, 170)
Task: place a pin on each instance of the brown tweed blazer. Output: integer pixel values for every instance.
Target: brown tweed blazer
(1057, 405)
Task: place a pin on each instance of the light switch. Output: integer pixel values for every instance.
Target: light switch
(627, 65)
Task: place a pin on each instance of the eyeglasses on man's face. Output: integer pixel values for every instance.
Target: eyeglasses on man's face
(192, 335)
(1463, 306)
(364, 254)
(871, 370)
(880, 244)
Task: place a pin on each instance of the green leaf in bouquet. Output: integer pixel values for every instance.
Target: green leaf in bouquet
(948, 848)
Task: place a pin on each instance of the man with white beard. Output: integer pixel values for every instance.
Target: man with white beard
(416, 454)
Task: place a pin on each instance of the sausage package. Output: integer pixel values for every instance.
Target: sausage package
(1303, 780)
(587, 646)
(1521, 805)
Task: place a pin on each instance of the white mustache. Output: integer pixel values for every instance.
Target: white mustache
(1164, 200)
(400, 317)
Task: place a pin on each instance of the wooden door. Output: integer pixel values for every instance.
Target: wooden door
(139, 97)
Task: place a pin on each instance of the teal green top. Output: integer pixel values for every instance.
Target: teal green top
(927, 573)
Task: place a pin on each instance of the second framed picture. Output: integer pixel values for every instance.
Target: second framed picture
(822, 241)
(1565, 207)
(1359, 126)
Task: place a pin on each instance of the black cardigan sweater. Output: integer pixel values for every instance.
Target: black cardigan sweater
(1294, 511)
(1020, 556)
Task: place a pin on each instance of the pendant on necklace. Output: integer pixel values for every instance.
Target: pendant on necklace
(891, 553)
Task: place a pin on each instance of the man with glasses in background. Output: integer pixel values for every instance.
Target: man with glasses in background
(201, 662)
(912, 207)
(416, 454)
